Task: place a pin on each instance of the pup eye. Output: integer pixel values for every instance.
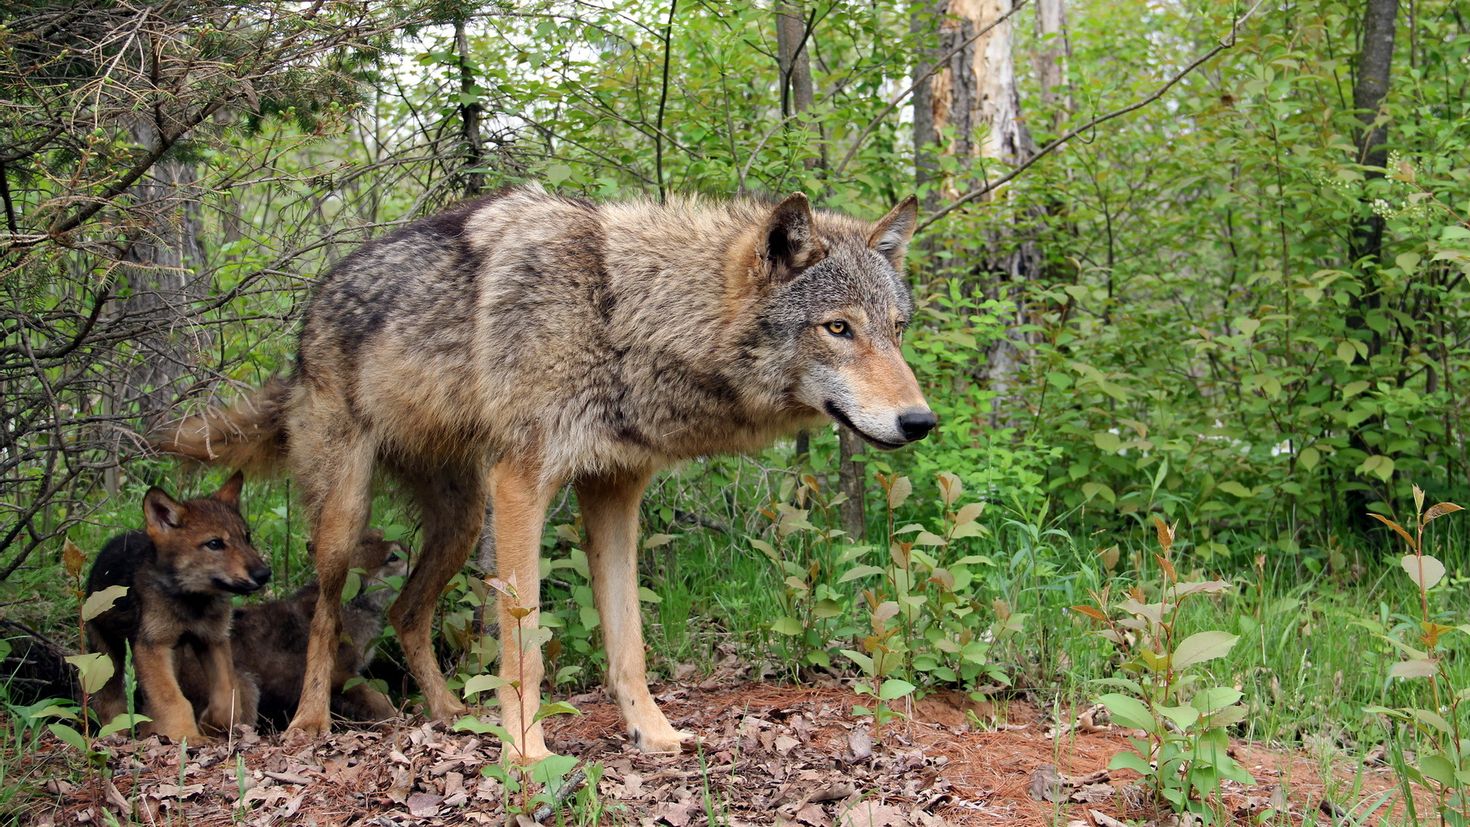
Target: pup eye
(215, 544)
(839, 328)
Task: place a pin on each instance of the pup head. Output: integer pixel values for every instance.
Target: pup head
(204, 544)
(838, 304)
(379, 560)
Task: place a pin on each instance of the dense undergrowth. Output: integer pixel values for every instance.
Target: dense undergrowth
(956, 588)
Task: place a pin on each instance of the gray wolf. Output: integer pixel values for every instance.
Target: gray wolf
(269, 643)
(524, 341)
(181, 571)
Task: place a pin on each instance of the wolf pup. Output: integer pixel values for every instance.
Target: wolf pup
(269, 642)
(180, 572)
(526, 340)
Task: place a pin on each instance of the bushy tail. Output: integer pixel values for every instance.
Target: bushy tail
(249, 435)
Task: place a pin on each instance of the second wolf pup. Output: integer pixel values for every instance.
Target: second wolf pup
(269, 643)
(180, 572)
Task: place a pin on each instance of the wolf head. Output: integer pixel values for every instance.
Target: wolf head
(204, 544)
(836, 302)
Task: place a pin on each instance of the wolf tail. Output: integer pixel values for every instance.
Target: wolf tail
(249, 435)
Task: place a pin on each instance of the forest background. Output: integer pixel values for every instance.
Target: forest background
(1196, 261)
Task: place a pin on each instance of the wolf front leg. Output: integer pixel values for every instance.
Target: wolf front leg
(172, 714)
(226, 706)
(610, 511)
(519, 499)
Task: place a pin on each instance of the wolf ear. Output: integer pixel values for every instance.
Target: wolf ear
(162, 512)
(891, 235)
(229, 493)
(787, 243)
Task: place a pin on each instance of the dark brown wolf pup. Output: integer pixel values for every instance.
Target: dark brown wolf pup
(269, 642)
(180, 572)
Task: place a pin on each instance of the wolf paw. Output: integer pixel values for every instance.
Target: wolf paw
(447, 708)
(666, 740)
(307, 728)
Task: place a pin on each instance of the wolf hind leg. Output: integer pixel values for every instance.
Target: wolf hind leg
(336, 478)
(610, 512)
(452, 505)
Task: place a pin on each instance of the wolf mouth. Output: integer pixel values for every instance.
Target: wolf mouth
(837, 414)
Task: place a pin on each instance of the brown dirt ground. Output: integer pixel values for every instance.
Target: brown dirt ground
(770, 754)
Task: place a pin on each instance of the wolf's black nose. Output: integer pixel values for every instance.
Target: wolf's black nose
(261, 576)
(915, 425)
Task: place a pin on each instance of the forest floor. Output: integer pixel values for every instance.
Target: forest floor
(770, 754)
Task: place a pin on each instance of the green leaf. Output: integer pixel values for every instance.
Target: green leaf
(555, 708)
(1438, 768)
(94, 669)
(1352, 389)
(893, 689)
(1182, 716)
(858, 571)
(100, 601)
(1130, 761)
(1215, 698)
(121, 722)
(656, 540)
(864, 662)
(1424, 570)
(1233, 487)
(1128, 712)
(788, 626)
(72, 738)
(550, 770)
(1107, 442)
(1434, 720)
(1309, 457)
(1091, 490)
(1198, 648)
(483, 683)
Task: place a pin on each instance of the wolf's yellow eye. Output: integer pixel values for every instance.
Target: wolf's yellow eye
(838, 328)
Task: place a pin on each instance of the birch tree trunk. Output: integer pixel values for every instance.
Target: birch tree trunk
(970, 108)
(1051, 61)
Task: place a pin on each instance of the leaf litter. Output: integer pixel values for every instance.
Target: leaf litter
(769, 754)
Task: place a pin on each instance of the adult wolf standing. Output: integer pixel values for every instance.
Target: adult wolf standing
(525, 340)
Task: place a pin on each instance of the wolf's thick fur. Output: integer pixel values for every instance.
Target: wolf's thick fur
(269, 644)
(524, 341)
(180, 572)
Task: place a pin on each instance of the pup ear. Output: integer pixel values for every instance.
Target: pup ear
(162, 512)
(229, 493)
(890, 236)
(788, 244)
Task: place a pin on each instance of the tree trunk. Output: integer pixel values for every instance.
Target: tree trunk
(794, 60)
(161, 270)
(473, 142)
(1051, 61)
(793, 57)
(1365, 237)
(974, 95)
